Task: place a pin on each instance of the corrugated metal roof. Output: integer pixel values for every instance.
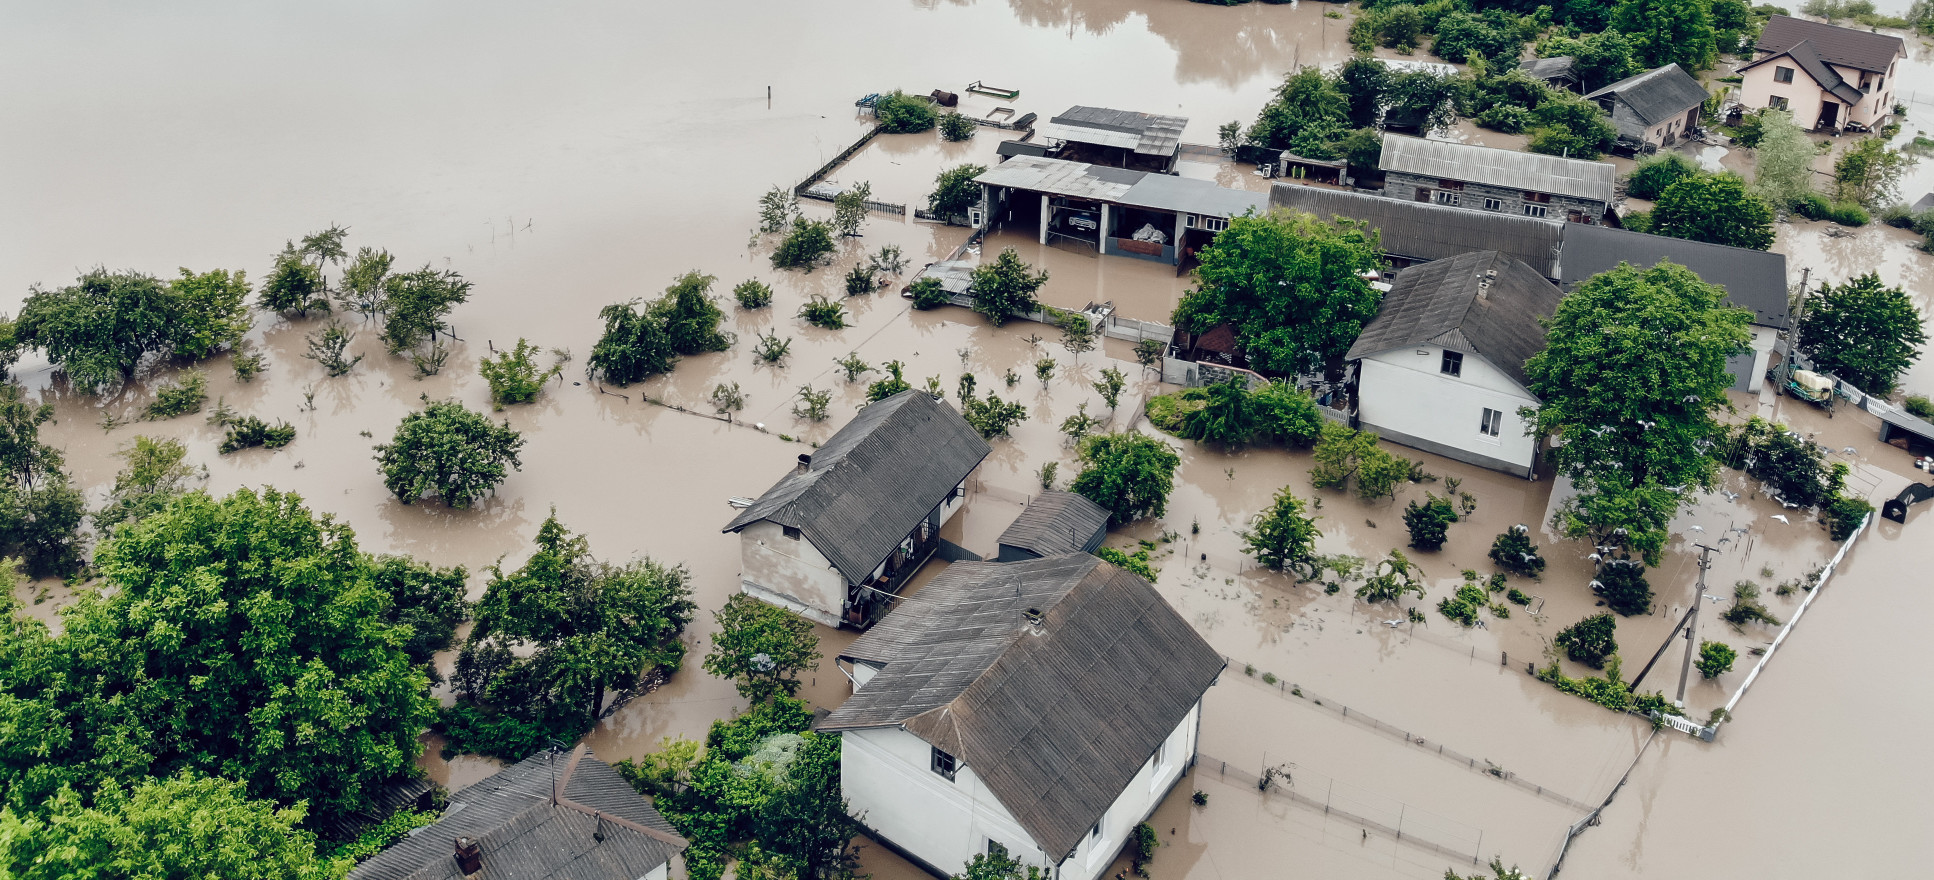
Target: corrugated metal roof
(1057, 522)
(1145, 133)
(1754, 280)
(1165, 192)
(1140, 189)
(1555, 67)
(1858, 49)
(1532, 172)
(1656, 95)
(1422, 231)
(873, 481)
(1056, 720)
(523, 834)
(1438, 303)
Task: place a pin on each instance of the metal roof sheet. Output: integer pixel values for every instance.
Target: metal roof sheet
(1062, 178)
(1753, 280)
(1458, 303)
(1057, 522)
(1422, 231)
(1145, 133)
(1164, 192)
(1532, 172)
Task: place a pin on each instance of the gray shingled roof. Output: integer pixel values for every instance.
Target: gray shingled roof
(1055, 722)
(1754, 280)
(523, 833)
(1481, 303)
(1421, 231)
(1057, 522)
(1807, 56)
(1145, 133)
(1547, 69)
(1532, 172)
(874, 481)
(1858, 49)
(1656, 95)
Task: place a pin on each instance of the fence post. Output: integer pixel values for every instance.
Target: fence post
(1400, 812)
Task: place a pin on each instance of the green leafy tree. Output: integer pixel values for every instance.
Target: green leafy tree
(1589, 641)
(1420, 97)
(1565, 125)
(325, 247)
(1668, 32)
(514, 376)
(1429, 523)
(1363, 80)
(955, 127)
(329, 348)
(691, 316)
(1783, 164)
(1390, 579)
(180, 826)
(1283, 537)
(156, 472)
(1491, 35)
(928, 293)
(894, 382)
(849, 208)
(1306, 98)
(808, 244)
(1228, 418)
(1110, 386)
(901, 113)
(293, 286)
(1291, 286)
(1869, 172)
(417, 303)
(1005, 287)
(1714, 208)
(1654, 173)
(1498, 870)
(1077, 333)
(635, 345)
(1599, 57)
(1863, 332)
(1621, 583)
(448, 451)
(1129, 475)
(1343, 452)
(991, 416)
(99, 329)
(1286, 414)
(40, 510)
(778, 208)
(1513, 551)
(363, 289)
(999, 866)
(210, 312)
(427, 599)
(1715, 659)
(1631, 377)
(761, 647)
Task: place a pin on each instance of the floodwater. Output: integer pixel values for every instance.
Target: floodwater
(570, 156)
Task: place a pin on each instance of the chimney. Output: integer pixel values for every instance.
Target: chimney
(469, 855)
(805, 462)
(1033, 617)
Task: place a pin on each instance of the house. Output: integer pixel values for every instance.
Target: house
(1418, 232)
(1441, 366)
(1478, 178)
(1754, 280)
(549, 815)
(1040, 708)
(838, 536)
(1116, 138)
(1052, 523)
(1558, 71)
(1117, 211)
(1656, 107)
(1828, 77)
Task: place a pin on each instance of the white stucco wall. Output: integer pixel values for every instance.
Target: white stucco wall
(790, 573)
(1403, 392)
(888, 782)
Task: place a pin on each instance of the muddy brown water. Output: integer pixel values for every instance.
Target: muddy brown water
(570, 157)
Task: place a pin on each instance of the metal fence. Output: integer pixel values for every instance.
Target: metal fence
(1407, 824)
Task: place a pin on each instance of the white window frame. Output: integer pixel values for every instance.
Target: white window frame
(1445, 198)
(1097, 841)
(1539, 211)
(1159, 764)
(1491, 423)
(1493, 204)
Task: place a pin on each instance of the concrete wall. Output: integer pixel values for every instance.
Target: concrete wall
(888, 782)
(1400, 185)
(1403, 396)
(1805, 97)
(790, 573)
(659, 873)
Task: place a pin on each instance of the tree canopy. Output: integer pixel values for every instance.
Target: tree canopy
(1292, 287)
(954, 190)
(1282, 537)
(99, 329)
(40, 510)
(1863, 332)
(761, 647)
(1006, 287)
(1669, 32)
(1714, 208)
(1783, 166)
(416, 304)
(1128, 474)
(448, 451)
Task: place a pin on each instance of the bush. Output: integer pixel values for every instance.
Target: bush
(1637, 221)
(182, 396)
(1507, 118)
(1463, 606)
(927, 293)
(1514, 552)
(894, 383)
(1130, 475)
(1919, 406)
(955, 127)
(1844, 515)
(753, 294)
(1656, 172)
(770, 349)
(1715, 658)
(805, 246)
(1136, 562)
(450, 451)
(1282, 537)
(822, 312)
(514, 376)
(1142, 848)
(634, 347)
(1005, 287)
(991, 416)
(1622, 584)
(690, 316)
(1429, 523)
(1589, 641)
(901, 113)
(249, 431)
(862, 280)
(954, 191)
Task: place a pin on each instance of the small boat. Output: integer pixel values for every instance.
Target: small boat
(979, 88)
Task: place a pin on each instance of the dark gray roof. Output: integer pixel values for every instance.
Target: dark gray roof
(1145, 133)
(1533, 172)
(1021, 148)
(1482, 303)
(1421, 231)
(1656, 95)
(1807, 56)
(1923, 203)
(1547, 69)
(1055, 721)
(1057, 522)
(1858, 49)
(1754, 280)
(526, 831)
(874, 481)
(1166, 192)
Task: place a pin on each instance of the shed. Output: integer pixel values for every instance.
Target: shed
(1052, 523)
(1655, 107)
(1557, 71)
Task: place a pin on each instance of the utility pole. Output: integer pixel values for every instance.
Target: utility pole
(1692, 628)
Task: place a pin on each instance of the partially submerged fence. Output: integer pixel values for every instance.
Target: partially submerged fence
(1409, 825)
(837, 161)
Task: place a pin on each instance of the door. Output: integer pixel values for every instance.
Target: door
(1829, 115)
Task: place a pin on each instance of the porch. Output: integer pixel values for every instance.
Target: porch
(867, 602)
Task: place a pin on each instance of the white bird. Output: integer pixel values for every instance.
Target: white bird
(1393, 624)
(1787, 504)
(1619, 532)
(1849, 450)
(1529, 558)
(1698, 528)
(1595, 557)
(1710, 596)
(1596, 586)
(1730, 495)
(1782, 518)
(1692, 398)
(1520, 528)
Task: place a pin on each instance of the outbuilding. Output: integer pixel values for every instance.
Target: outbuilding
(1657, 107)
(1052, 523)
(1495, 181)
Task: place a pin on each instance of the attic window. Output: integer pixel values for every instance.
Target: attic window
(1782, 74)
(790, 532)
(1453, 363)
(944, 764)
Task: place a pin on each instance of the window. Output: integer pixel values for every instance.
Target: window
(994, 848)
(1447, 198)
(1157, 766)
(1534, 210)
(1782, 74)
(790, 532)
(1776, 102)
(1493, 422)
(944, 764)
(1450, 184)
(1453, 363)
(1493, 204)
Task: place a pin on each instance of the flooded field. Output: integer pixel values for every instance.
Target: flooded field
(565, 158)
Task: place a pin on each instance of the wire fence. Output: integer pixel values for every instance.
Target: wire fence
(1375, 813)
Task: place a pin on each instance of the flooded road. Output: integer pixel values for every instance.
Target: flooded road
(571, 156)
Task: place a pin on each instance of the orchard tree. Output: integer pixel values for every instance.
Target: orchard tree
(954, 190)
(1669, 32)
(1869, 172)
(1128, 474)
(1291, 286)
(1783, 167)
(1589, 641)
(416, 304)
(362, 290)
(1862, 331)
(1714, 208)
(1006, 287)
(293, 286)
(1283, 537)
(761, 647)
(1631, 378)
(448, 451)
(635, 345)
(691, 316)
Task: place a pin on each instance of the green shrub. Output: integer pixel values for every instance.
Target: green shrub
(378, 837)
(1715, 658)
(1919, 406)
(1169, 412)
(1814, 206)
(955, 127)
(753, 294)
(1656, 172)
(1429, 523)
(1844, 515)
(1507, 118)
(1622, 584)
(182, 396)
(1136, 562)
(1517, 596)
(249, 431)
(901, 113)
(894, 383)
(805, 246)
(822, 312)
(1514, 552)
(514, 376)
(1637, 221)
(927, 293)
(861, 280)
(1142, 848)
(1463, 606)
(1589, 641)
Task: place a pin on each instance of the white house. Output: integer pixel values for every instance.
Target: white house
(1040, 708)
(838, 536)
(1441, 366)
(1828, 77)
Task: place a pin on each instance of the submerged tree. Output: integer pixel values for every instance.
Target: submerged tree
(1714, 208)
(1283, 537)
(954, 190)
(416, 304)
(761, 647)
(447, 450)
(1006, 287)
(1862, 331)
(635, 346)
(1128, 474)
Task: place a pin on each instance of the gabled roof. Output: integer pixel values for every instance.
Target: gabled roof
(1482, 303)
(1754, 280)
(873, 482)
(1422, 231)
(1861, 50)
(1055, 719)
(1547, 69)
(1656, 95)
(1807, 57)
(1057, 522)
(1144, 133)
(540, 817)
(1532, 172)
